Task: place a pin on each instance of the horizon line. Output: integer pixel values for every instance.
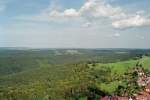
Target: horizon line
(19, 47)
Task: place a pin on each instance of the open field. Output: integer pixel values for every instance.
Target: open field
(118, 69)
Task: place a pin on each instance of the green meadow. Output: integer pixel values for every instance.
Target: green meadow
(118, 69)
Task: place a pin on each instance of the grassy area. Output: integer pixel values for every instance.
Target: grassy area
(118, 69)
(122, 66)
(145, 62)
(111, 87)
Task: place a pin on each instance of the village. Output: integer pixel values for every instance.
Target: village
(143, 81)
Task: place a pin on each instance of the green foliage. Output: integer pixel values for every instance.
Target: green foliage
(66, 75)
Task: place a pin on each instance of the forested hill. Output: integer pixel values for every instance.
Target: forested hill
(17, 60)
(61, 74)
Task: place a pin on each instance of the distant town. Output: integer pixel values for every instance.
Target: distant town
(143, 81)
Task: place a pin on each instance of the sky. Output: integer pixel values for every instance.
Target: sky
(75, 23)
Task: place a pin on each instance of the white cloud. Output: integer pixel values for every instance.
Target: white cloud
(67, 13)
(90, 11)
(92, 8)
(131, 21)
(71, 13)
(97, 8)
(93, 11)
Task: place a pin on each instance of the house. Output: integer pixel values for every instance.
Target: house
(147, 88)
(115, 98)
(123, 98)
(130, 98)
(143, 80)
(143, 96)
(109, 98)
(104, 98)
(140, 71)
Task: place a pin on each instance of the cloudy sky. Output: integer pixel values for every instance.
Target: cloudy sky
(75, 23)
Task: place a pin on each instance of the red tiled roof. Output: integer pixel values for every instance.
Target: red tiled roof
(123, 98)
(108, 98)
(105, 98)
(147, 86)
(143, 95)
(144, 79)
(114, 98)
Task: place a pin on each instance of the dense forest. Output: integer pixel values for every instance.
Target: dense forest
(69, 74)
